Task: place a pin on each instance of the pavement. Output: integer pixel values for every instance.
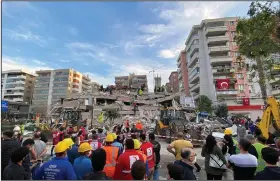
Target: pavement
(167, 158)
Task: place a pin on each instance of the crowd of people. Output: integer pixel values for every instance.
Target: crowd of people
(131, 154)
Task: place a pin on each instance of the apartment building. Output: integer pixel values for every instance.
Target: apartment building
(174, 82)
(183, 73)
(51, 85)
(132, 81)
(214, 66)
(17, 85)
(157, 81)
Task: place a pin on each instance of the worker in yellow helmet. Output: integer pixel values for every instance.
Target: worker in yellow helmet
(117, 143)
(59, 168)
(112, 154)
(69, 142)
(137, 146)
(230, 142)
(82, 165)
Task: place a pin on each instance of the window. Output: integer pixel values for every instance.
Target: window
(42, 85)
(41, 92)
(232, 23)
(75, 86)
(233, 33)
(41, 97)
(77, 81)
(60, 85)
(61, 79)
(241, 87)
(239, 76)
(59, 90)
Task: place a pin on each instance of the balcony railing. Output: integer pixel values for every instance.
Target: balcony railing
(194, 59)
(221, 59)
(227, 92)
(216, 29)
(194, 87)
(275, 92)
(218, 49)
(195, 78)
(217, 38)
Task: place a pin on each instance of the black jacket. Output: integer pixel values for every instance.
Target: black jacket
(97, 176)
(269, 173)
(188, 170)
(156, 150)
(14, 172)
(7, 147)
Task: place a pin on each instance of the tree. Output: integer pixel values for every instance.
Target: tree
(204, 104)
(111, 115)
(221, 110)
(255, 40)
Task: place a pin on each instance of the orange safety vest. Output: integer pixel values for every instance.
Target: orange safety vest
(139, 126)
(111, 160)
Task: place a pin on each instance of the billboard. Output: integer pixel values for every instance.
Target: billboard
(4, 106)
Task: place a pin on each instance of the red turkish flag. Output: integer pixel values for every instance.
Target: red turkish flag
(246, 101)
(222, 83)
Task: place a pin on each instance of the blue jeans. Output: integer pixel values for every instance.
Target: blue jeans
(156, 173)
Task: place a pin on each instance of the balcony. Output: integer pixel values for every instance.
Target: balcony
(14, 93)
(194, 67)
(194, 37)
(193, 50)
(195, 78)
(14, 99)
(17, 77)
(195, 88)
(221, 59)
(216, 30)
(222, 71)
(227, 92)
(194, 59)
(16, 82)
(217, 49)
(216, 39)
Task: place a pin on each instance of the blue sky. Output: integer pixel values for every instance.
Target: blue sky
(103, 39)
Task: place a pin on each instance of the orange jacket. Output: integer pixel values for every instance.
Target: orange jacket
(139, 126)
(111, 160)
(124, 164)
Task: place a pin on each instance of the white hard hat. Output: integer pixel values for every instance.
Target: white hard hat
(16, 129)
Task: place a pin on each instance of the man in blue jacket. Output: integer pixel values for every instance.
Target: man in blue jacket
(59, 168)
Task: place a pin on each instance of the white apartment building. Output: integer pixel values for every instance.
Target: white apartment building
(213, 66)
(51, 85)
(17, 85)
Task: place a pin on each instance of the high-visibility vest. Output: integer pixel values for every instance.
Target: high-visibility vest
(261, 162)
(235, 142)
(111, 160)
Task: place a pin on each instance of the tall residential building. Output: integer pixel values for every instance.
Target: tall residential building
(214, 68)
(174, 82)
(51, 85)
(132, 81)
(157, 81)
(17, 85)
(183, 73)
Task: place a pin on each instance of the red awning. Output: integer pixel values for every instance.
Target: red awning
(245, 107)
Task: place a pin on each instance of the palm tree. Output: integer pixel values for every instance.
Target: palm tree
(111, 115)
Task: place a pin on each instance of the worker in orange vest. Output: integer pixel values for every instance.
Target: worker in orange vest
(112, 154)
(139, 127)
(137, 147)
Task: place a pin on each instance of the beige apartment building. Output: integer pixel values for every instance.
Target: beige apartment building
(51, 85)
(214, 69)
(17, 85)
(132, 81)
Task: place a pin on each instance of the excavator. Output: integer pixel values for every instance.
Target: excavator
(270, 122)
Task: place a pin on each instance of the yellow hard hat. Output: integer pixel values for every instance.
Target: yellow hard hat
(109, 138)
(139, 121)
(114, 136)
(84, 147)
(137, 144)
(228, 131)
(61, 147)
(68, 141)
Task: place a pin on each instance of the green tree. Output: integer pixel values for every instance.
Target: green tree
(111, 115)
(255, 40)
(204, 104)
(221, 110)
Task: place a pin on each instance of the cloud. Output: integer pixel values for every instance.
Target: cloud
(65, 61)
(73, 31)
(39, 62)
(12, 63)
(25, 35)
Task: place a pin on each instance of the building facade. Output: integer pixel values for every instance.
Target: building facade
(183, 73)
(174, 82)
(51, 85)
(132, 81)
(17, 85)
(215, 68)
(167, 87)
(157, 81)
(273, 86)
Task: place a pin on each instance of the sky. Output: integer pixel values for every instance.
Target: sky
(104, 39)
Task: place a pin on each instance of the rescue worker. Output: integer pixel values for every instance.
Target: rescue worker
(95, 144)
(17, 134)
(72, 153)
(112, 154)
(101, 135)
(59, 168)
(55, 136)
(127, 125)
(117, 143)
(133, 129)
(259, 145)
(137, 147)
(139, 127)
(82, 165)
(125, 161)
(230, 142)
(148, 149)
